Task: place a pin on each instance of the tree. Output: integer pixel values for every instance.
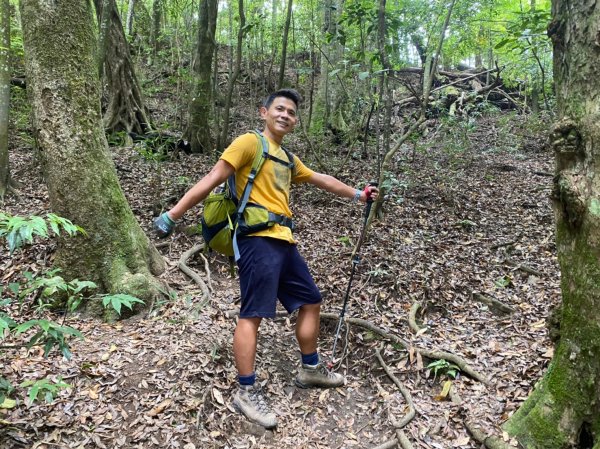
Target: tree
(63, 84)
(233, 78)
(284, 44)
(157, 9)
(198, 129)
(5, 182)
(126, 110)
(129, 21)
(563, 411)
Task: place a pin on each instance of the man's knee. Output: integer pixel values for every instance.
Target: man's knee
(310, 308)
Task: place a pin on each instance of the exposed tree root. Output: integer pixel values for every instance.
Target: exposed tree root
(495, 306)
(412, 318)
(401, 438)
(481, 436)
(192, 274)
(432, 355)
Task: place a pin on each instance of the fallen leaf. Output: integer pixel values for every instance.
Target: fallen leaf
(462, 441)
(93, 394)
(8, 403)
(160, 407)
(445, 390)
(218, 396)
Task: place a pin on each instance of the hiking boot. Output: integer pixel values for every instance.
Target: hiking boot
(318, 376)
(251, 402)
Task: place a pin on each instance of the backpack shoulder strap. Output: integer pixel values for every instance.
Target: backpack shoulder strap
(290, 156)
(262, 151)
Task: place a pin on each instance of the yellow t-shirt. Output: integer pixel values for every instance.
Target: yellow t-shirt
(272, 183)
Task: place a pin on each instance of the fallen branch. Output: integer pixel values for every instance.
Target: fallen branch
(524, 268)
(521, 107)
(191, 273)
(432, 355)
(494, 304)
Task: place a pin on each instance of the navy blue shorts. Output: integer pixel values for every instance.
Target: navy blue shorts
(272, 269)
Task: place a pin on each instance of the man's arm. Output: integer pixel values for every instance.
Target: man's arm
(219, 173)
(334, 185)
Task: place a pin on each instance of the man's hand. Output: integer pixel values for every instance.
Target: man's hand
(370, 193)
(164, 226)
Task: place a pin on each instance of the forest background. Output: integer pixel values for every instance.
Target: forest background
(447, 105)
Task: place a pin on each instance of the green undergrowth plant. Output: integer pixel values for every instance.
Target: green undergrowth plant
(18, 231)
(46, 389)
(117, 301)
(35, 293)
(443, 367)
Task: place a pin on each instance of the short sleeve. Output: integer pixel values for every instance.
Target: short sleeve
(241, 151)
(301, 172)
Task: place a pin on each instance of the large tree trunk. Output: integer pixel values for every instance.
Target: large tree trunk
(126, 110)
(198, 128)
(62, 78)
(4, 95)
(564, 409)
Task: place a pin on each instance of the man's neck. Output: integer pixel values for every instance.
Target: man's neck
(274, 138)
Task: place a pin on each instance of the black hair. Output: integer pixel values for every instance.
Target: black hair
(290, 94)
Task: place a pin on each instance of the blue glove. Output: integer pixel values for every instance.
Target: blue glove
(164, 226)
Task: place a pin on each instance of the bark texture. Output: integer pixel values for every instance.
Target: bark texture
(198, 129)
(564, 409)
(62, 78)
(4, 95)
(233, 78)
(126, 110)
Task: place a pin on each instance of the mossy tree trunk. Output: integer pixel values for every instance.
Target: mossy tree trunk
(62, 77)
(198, 128)
(564, 409)
(125, 109)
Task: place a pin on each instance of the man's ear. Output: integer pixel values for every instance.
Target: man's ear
(263, 112)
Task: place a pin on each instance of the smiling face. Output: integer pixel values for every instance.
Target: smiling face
(280, 118)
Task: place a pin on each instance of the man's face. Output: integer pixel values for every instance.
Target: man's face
(280, 118)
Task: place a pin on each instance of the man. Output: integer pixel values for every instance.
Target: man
(270, 267)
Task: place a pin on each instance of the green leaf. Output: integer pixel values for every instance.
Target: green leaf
(44, 324)
(77, 285)
(33, 392)
(502, 43)
(120, 299)
(363, 75)
(71, 331)
(6, 402)
(25, 326)
(14, 287)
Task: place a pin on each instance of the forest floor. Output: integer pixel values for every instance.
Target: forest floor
(469, 214)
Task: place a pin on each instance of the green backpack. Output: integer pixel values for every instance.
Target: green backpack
(225, 216)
